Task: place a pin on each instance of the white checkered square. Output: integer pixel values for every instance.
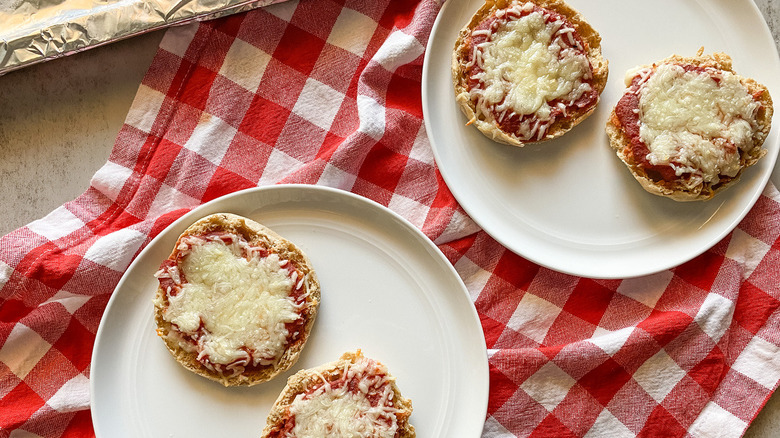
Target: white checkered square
(352, 31)
(421, 147)
(533, 317)
(116, 250)
(5, 273)
(211, 138)
(245, 64)
(611, 341)
(397, 50)
(72, 396)
(372, 117)
(332, 176)
(279, 165)
(318, 103)
(548, 386)
(409, 209)
(647, 290)
(659, 375)
(110, 179)
(22, 350)
(59, 223)
(473, 276)
(607, 425)
(168, 199)
(493, 428)
(178, 38)
(760, 361)
(746, 250)
(71, 302)
(460, 225)
(714, 316)
(146, 105)
(714, 421)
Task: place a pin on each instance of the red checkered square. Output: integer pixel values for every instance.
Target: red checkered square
(332, 64)
(637, 348)
(262, 30)
(224, 182)
(604, 381)
(623, 312)
(346, 121)
(552, 286)
(520, 414)
(51, 373)
(551, 426)
(299, 49)
(230, 100)
(71, 342)
(710, 371)
(317, 18)
(567, 329)
(383, 167)
(578, 411)
(264, 120)
(246, 150)
(632, 406)
(281, 85)
(665, 326)
(178, 129)
(589, 301)
(166, 156)
(686, 401)
(511, 338)
(754, 307)
(18, 405)
(162, 71)
(662, 423)
(218, 41)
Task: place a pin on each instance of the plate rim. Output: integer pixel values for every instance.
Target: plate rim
(432, 248)
(483, 220)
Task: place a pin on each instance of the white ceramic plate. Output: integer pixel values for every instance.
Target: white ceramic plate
(570, 204)
(385, 289)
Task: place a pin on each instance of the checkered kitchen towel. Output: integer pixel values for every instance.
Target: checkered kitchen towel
(328, 92)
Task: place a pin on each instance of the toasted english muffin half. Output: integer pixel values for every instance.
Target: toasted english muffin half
(352, 396)
(236, 302)
(527, 71)
(687, 127)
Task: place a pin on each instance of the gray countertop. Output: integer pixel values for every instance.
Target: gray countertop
(59, 119)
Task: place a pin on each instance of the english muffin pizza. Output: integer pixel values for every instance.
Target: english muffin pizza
(236, 302)
(527, 71)
(354, 396)
(687, 127)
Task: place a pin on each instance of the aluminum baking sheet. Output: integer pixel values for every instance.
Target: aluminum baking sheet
(33, 31)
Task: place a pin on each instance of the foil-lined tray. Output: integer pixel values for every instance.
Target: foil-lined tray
(33, 31)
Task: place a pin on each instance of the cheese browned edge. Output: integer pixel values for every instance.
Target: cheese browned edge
(620, 142)
(562, 125)
(306, 379)
(258, 235)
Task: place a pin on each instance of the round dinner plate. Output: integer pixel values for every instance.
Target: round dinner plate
(570, 204)
(386, 289)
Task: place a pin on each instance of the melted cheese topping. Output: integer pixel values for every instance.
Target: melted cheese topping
(527, 62)
(330, 411)
(241, 303)
(694, 123)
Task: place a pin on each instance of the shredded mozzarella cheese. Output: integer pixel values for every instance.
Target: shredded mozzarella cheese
(241, 303)
(525, 63)
(694, 123)
(340, 412)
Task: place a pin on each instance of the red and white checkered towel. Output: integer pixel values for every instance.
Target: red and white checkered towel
(328, 92)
